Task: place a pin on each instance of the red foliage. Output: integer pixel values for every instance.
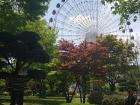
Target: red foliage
(87, 57)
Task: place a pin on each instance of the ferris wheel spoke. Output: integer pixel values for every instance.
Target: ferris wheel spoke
(72, 35)
(93, 12)
(79, 22)
(71, 30)
(86, 15)
(77, 19)
(73, 19)
(85, 8)
(109, 21)
(110, 25)
(77, 26)
(77, 39)
(89, 19)
(88, 8)
(78, 14)
(72, 38)
(104, 12)
(110, 28)
(81, 13)
(106, 16)
(112, 32)
(93, 8)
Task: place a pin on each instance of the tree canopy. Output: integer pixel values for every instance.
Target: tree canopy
(83, 61)
(83, 58)
(18, 12)
(121, 56)
(47, 36)
(128, 9)
(18, 51)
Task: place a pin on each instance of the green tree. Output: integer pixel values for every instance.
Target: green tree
(130, 80)
(15, 13)
(128, 9)
(21, 48)
(47, 36)
(59, 83)
(18, 52)
(52, 81)
(47, 41)
(66, 80)
(120, 58)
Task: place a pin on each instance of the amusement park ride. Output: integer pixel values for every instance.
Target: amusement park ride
(83, 20)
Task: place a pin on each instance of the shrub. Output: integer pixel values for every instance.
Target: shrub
(27, 92)
(124, 86)
(1, 103)
(95, 97)
(113, 100)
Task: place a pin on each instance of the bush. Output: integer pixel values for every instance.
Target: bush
(27, 92)
(95, 98)
(37, 74)
(113, 100)
(124, 86)
(1, 104)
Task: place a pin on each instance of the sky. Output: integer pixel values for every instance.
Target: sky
(136, 26)
(53, 3)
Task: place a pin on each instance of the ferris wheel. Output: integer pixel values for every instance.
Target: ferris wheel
(78, 20)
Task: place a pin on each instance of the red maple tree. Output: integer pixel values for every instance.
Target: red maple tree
(83, 59)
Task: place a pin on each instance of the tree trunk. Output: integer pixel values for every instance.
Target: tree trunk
(42, 92)
(16, 86)
(73, 92)
(84, 87)
(51, 85)
(79, 88)
(84, 98)
(80, 92)
(16, 97)
(68, 96)
(112, 86)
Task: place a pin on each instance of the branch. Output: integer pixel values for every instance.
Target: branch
(74, 91)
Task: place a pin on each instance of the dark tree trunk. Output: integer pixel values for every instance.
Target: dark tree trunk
(112, 86)
(51, 85)
(16, 97)
(68, 96)
(80, 92)
(68, 100)
(16, 86)
(84, 98)
(42, 92)
(84, 94)
(84, 87)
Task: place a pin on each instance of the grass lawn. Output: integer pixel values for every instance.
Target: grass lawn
(32, 100)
